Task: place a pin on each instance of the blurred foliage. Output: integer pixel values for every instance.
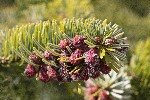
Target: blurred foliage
(28, 11)
(139, 7)
(136, 27)
(5, 3)
(14, 86)
(140, 64)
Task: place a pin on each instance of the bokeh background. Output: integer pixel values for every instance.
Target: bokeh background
(132, 15)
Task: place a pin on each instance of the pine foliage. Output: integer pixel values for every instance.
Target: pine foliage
(140, 70)
(20, 42)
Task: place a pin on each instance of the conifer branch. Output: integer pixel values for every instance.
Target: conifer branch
(72, 42)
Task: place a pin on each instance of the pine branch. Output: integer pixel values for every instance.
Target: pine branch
(68, 43)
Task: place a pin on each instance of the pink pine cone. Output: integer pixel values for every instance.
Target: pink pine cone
(43, 76)
(64, 74)
(35, 59)
(63, 44)
(48, 55)
(78, 40)
(63, 55)
(51, 73)
(75, 55)
(30, 71)
(91, 56)
(82, 74)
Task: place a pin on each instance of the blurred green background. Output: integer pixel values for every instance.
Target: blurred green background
(132, 15)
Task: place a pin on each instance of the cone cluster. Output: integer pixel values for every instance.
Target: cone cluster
(77, 61)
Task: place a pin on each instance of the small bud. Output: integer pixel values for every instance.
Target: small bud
(78, 40)
(64, 43)
(48, 55)
(51, 73)
(98, 40)
(109, 41)
(91, 56)
(73, 58)
(35, 59)
(43, 76)
(30, 71)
